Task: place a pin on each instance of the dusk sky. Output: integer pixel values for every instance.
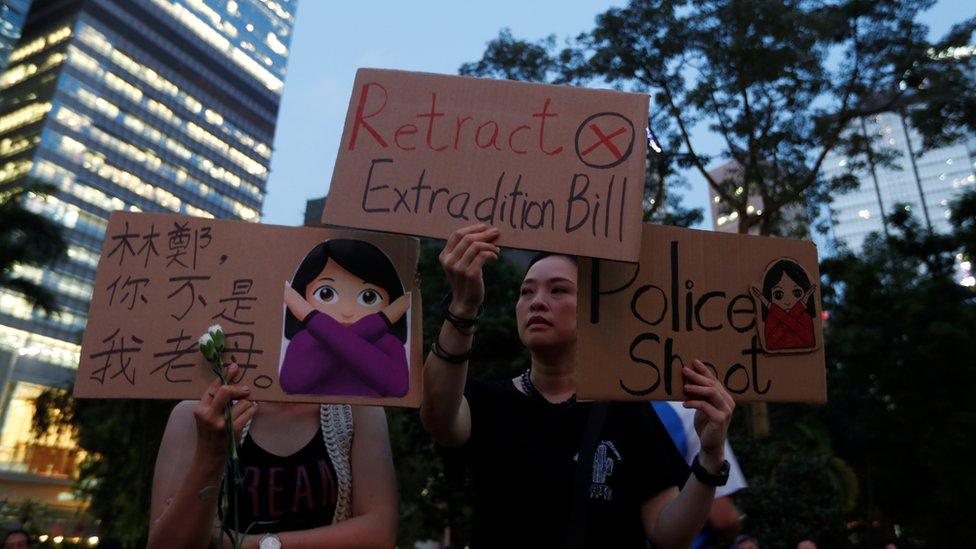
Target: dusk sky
(332, 39)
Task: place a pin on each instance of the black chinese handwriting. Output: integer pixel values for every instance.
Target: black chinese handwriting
(118, 358)
(123, 243)
(184, 243)
(176, 359)
(132, 290)
(187, 286)
(238, 303)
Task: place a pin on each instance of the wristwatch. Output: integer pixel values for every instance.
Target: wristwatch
(703, 475)
(270, 541)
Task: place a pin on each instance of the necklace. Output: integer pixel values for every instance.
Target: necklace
(532, 392)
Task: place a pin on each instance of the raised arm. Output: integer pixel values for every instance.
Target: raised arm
(758, 295)
(444, 410)
(190, 466)
(673, 519)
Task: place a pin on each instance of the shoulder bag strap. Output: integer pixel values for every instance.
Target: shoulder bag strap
(584, 474)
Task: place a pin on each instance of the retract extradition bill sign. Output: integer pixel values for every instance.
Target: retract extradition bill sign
(555, 168)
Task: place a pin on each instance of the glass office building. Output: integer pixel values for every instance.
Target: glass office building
(926, 186)
(142, 105)
(923, 182)
(12, 16)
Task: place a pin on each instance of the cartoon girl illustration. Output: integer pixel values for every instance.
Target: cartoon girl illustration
(786, 320)
(346, 323)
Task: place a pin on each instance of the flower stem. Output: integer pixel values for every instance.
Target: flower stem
(232, 478)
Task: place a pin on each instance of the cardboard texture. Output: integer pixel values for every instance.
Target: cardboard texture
(163, 280)
(691, 297)
(555, 168)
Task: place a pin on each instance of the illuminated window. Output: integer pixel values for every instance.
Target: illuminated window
(100, 43)
(56, 454)
(15, 169)
(10, 147)
(28, 114)
(40, 44)
(83, 255)
(222, 44)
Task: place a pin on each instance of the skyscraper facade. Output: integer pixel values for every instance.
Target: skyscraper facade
(925, 182)
(141, 105)
(12, 16)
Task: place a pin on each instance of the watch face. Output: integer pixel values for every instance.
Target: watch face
(270, 541)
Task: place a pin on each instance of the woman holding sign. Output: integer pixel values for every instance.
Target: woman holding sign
(307, 482)
(557, 471)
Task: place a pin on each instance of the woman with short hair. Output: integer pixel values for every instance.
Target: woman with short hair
(549, 471)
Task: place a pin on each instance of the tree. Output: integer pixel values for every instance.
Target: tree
(515, 59)
(27, 238)
(120, 439)
(902, 374)
(783, 84)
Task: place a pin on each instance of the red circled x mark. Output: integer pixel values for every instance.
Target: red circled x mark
(605, 140)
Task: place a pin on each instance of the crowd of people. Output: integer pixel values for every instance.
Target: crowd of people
(548, 470)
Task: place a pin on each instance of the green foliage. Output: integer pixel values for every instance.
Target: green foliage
(781, 84)
(902, 375)
(27, 238)
(797, 488)
(121, 438)
(515, 59)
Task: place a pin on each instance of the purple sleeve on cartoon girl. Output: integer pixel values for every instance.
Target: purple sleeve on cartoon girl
(366, 350)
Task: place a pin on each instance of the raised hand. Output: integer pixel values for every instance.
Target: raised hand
(758, 295)
(209, 415)
(713, 405)
(463, 257)
(297, 304)
(394, 311)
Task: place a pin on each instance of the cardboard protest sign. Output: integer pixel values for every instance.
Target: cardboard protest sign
(309, 314)
(746, 306)
(554, 168)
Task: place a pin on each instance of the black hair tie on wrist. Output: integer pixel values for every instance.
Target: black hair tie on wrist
(463, 325)
(440, 353)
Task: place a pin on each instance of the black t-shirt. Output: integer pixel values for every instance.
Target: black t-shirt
(523, 454)
(285, 493)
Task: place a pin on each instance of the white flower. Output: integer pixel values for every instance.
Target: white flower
(205, 339)
(214, 329)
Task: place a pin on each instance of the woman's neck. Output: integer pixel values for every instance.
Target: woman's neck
(286, 410)
(554, 373)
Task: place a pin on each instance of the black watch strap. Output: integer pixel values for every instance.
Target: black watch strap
(707, 478)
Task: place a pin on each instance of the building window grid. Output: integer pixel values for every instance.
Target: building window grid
(40, 44)
(108, 112)
(18, 73)
(27, 344)
(158, 109)
(91, 40)
(99, 183)
(186, 196)
(161, 43)
(217, 186)
(29, 90)
(194, 28)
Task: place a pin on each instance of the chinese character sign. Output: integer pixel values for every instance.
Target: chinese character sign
(310, 315)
